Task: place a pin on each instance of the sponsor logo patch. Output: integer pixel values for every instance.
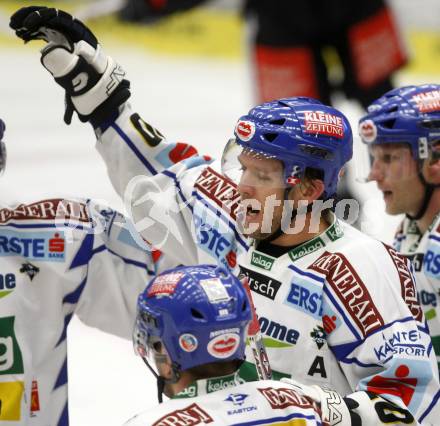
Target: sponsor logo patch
(164, 285)
(318, 335)
(330, 323)
(8, 283)
(11, 394)
(215, 290)
(261, 284)
(188, 416)
(281, 398)
(214, 385)
(368, 131)
(400, 379)
(245, 130)
(407, 284)
(305, 296)
(431, 262)
(30, 270)
(406, 343)
(350, 289)
(238, 399)
(427, 101)
(188, 342)
(306, 249)
(46, 210)
(35, 398)
(224, 345)
(11, 360)
(220, 190)
(324, 124)
(262, 261)
(47, 246)
(278, 332)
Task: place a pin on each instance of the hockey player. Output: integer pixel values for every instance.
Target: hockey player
(59, 258)
(194, 347)
(323, 291)
(402, 130)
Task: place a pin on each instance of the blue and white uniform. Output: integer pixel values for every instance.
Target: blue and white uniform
(223, 401)
(424, 251)
(60, 258)
(339, 310)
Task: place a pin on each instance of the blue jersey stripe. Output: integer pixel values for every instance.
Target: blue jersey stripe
(134, 149)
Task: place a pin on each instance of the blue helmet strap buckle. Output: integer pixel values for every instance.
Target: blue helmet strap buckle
(423, 148)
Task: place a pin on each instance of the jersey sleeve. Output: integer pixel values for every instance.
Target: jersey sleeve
(119, 264)
(156, 179)
(379, 335)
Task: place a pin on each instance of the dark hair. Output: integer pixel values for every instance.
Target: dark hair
(214, 369)
(312, 173)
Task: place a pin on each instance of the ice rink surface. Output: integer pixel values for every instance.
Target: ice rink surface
(193, 100)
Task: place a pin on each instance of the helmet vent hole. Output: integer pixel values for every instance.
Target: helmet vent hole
(389, 124)
(432, 124)
(278, 122)
(270, 137)
(197, 314)
(244, 306)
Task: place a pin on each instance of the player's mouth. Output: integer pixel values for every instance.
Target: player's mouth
(252, 212)
(387, 195)
(249, 214)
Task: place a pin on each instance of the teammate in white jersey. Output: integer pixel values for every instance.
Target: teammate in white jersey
(336, 307)
(191, 331)
(58, 258)
(402, 130)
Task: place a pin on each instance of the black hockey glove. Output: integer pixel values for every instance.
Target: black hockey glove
(94, 83)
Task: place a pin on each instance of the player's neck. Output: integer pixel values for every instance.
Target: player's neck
(304, 228)
(433, 209)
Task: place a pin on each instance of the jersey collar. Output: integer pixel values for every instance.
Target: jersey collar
(205, 386)
(332, 233)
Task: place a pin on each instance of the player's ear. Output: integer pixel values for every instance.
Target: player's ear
(432, 167)
(312, 189)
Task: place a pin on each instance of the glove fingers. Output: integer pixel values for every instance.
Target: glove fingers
(18, 17)
(28, 21)
(63, 22)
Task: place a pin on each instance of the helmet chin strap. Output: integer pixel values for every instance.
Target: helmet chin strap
(162, 381)
(429, 189)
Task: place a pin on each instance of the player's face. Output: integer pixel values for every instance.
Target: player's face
(396, 175)
(261, 188)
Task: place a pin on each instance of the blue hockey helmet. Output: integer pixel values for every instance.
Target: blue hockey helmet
(2, 147)
(199, 313)
(409, 115)
(302, 133)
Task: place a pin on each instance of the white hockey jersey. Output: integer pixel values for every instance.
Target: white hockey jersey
(424, 251)
(60, 258)
(340, 309)
(220, 401)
